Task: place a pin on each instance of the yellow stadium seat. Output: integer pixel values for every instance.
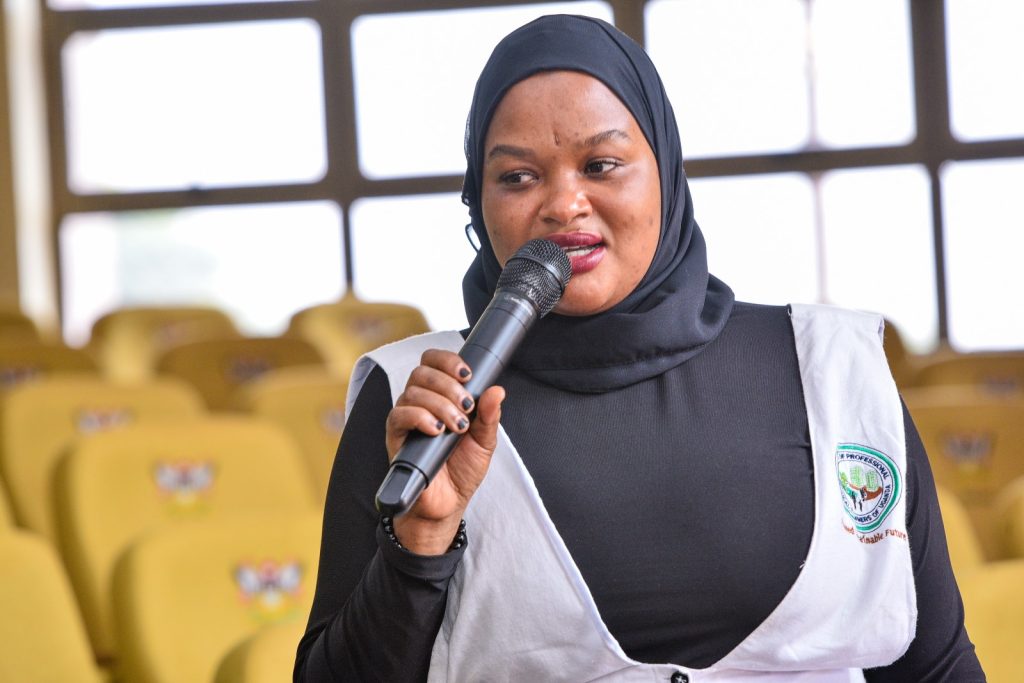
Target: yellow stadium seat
(975, 446)
(347, 329)
(902, 363)
(1009, 518)
(268, 656)
(997, 374)
(42, 639)
(965, 552)
(310, 404)
(129, 341)
(993, 598)
(112, 488)
(16, 326)
(6, 518)
(26, 361)
(218, 367)
(38, 422)
(186, 595)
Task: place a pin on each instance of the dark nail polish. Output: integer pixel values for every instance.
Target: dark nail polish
(440, 425)
(467, 403)
(463, 372)
(462, 424)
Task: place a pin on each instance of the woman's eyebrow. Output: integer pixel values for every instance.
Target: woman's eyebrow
(592, 141)
(595, 140)
(508, 151)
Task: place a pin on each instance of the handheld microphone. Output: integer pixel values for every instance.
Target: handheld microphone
(530, 285)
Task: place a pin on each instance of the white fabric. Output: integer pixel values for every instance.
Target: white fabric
(519, 610)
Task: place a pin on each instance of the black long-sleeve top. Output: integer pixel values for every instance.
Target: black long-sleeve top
(686, 501)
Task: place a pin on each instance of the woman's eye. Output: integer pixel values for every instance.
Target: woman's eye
(600, 166)
(515, 177)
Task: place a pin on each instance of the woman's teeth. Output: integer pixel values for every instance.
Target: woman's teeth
(580, 251)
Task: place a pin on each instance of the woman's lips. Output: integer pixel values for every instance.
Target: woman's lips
(585, 250)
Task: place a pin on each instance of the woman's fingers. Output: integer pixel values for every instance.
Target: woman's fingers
(447, 362)
(434, 399)
(469, 462)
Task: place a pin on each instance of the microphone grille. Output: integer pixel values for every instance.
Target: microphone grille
(539, 271)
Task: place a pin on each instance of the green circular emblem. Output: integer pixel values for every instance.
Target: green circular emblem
(871, 485)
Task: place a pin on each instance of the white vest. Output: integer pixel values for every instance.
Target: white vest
(519, 610)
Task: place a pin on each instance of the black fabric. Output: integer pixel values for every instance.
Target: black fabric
(678, 307)
(686, 501)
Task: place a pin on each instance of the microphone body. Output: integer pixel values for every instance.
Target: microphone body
(516, 306)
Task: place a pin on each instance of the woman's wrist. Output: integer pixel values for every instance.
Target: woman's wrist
(426, 537)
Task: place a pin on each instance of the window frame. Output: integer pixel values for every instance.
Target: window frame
(343, 183)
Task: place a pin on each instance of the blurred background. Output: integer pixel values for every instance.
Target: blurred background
(265, 157)
(235, 200)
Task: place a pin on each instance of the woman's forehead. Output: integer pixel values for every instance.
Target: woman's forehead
(571, 99)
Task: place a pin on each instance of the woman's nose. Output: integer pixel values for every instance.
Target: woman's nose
(565, 201)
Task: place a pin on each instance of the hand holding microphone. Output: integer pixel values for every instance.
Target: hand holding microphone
(529, 287)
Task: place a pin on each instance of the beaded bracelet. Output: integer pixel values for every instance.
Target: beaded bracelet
(457, 542)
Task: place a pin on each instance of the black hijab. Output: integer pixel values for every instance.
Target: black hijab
(678, 307)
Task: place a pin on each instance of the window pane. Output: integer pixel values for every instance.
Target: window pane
(863, 96)
(110, 4)
(880, 253)
(414, 79)
(413, 250)
(259, 263)
(735, 71)
(984, 240)
(985, 52)
(194, 106)
(760, 235)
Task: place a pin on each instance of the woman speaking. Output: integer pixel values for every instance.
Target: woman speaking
(666, 484)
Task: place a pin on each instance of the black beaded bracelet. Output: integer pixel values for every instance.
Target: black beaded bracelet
(457, 542)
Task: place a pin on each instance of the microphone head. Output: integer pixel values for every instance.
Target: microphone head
(539, 271)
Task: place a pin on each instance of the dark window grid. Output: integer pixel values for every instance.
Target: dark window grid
(343, 182)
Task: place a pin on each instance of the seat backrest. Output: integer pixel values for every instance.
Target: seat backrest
(129, 341)
(310, 404)
(965, 552)
(997, 374)
(6, 518)
(268, 656)
(184, 596)
(1009, 518)
(901, 363)
(993, 599)
(27, 361)
(975, 447)
(114, 487)
(218, 367)
(41, 633)
(16, 326)
(38, 422)
(347, 329)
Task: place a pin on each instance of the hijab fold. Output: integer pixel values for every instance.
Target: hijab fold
(678, 307)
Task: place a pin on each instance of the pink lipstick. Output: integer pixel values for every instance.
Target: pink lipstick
(585, 250)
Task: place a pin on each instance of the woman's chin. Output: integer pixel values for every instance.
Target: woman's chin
(579, 307)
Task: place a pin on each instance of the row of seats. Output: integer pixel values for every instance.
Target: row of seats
(39, 420)
(135, 344)
(975, 446)
(992, 593)
(165, 490)
(129, 465)
(223, 599)
(997, 374)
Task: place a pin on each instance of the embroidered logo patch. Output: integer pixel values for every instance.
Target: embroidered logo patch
(871, 485)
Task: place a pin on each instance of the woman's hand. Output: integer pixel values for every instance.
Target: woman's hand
(435, 400)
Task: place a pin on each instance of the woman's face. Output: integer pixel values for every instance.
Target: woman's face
(565, 160)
